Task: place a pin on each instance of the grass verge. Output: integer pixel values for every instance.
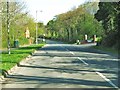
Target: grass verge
(8, 61)
(110, 50)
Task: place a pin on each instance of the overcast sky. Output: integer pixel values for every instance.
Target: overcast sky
(50, 8)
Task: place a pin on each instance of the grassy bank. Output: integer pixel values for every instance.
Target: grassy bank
(8, 61)
(106, 49)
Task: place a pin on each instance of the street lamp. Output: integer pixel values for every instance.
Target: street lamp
(36, 27)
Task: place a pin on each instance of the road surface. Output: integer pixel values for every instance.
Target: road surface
(59, 65)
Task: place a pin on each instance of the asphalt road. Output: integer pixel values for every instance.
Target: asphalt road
(59, 65)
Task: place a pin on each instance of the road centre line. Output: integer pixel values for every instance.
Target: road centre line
(100, 74)
(72, 53)
(68, 50)
(106, 79)
(78, 57)
(83, 61)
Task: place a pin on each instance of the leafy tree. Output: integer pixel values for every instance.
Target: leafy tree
(108, 14)
(74, 24)
(19, 21)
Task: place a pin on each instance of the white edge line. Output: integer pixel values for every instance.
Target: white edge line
(106, 79)
(83, 61)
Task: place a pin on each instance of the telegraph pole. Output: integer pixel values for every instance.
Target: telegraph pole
(8, 27)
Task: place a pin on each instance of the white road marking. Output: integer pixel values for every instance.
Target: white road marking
(83, 61)
(78, 57)
(100, 74)
(67, 49)
(106, 79)
(72, 53)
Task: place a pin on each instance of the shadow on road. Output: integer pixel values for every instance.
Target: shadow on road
(100, 61)
(63, 69)
(74, 48)
(56, 80)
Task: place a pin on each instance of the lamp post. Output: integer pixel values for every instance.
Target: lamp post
(36, 27)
